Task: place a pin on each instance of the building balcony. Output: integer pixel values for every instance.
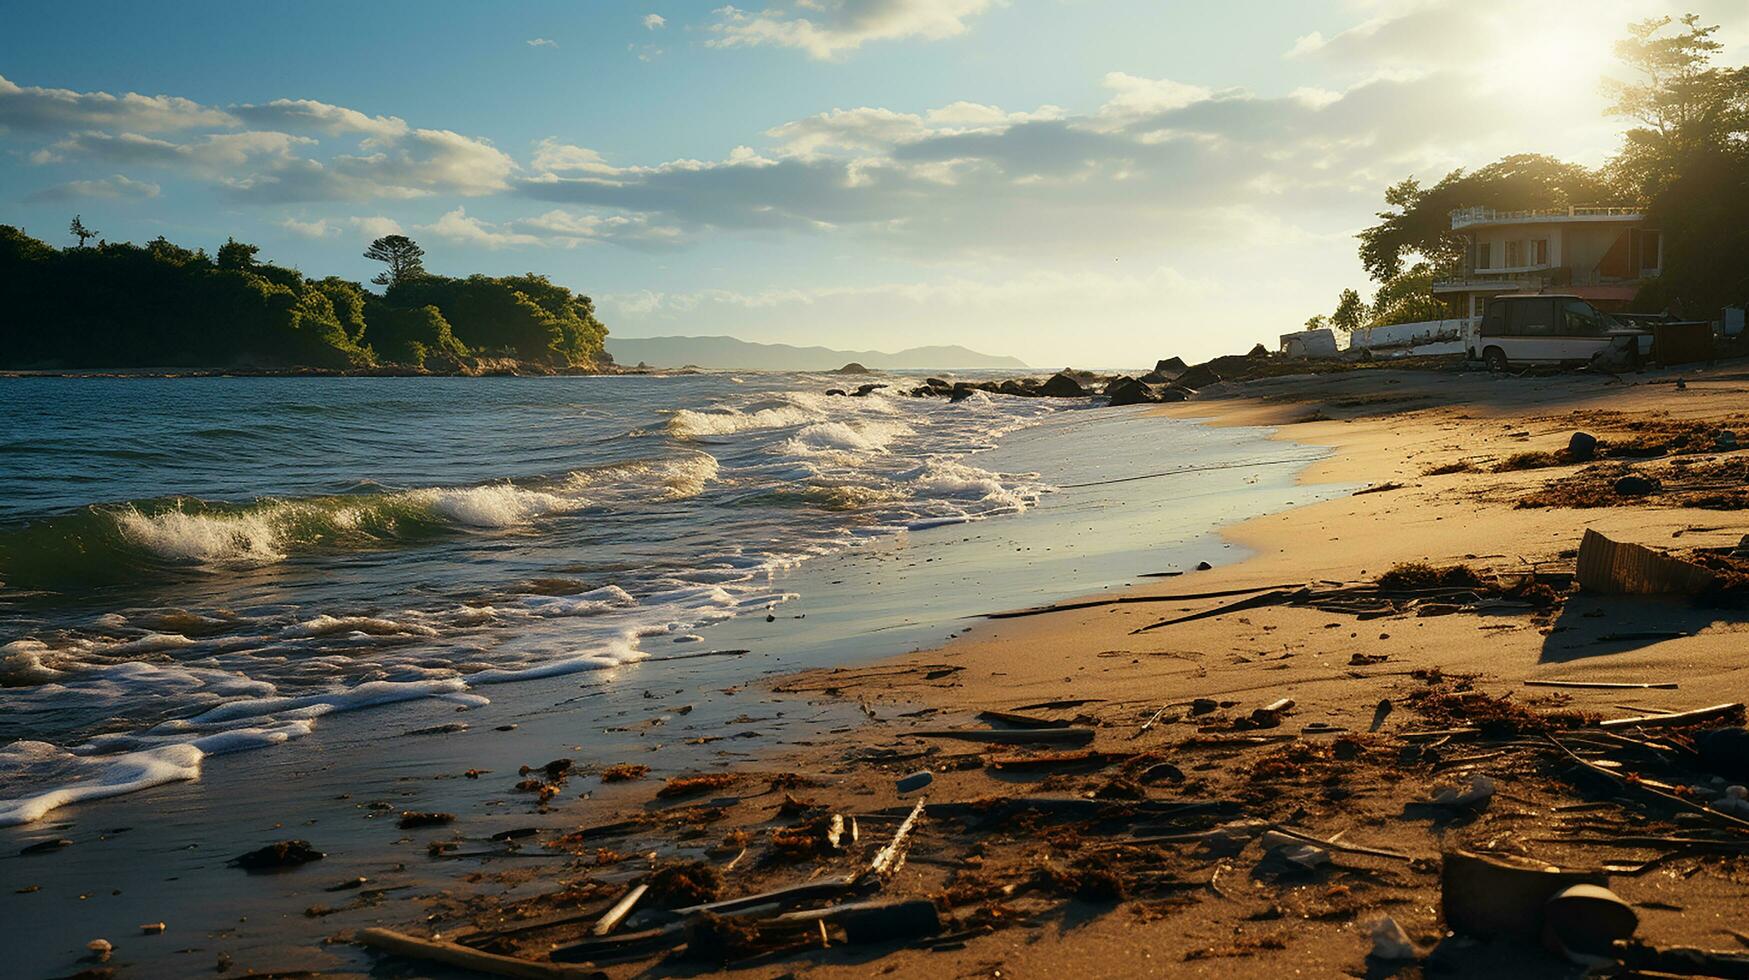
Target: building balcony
(1474, 217)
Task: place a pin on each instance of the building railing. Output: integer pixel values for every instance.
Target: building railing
(1465, 217)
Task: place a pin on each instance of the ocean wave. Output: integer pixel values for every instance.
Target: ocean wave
(690, 424)
(846, 436)
(497, 505)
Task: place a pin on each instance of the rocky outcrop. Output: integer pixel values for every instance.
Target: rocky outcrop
(1061, 385)
(852, 368)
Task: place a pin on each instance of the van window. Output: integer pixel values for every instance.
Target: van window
(1580, 320)
(1494, 321)
(1530, 318)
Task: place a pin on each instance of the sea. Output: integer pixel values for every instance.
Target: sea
(203, 566)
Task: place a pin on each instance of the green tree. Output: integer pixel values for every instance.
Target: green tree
(404, 257)
(1350, 312)
(1406, 297)
(1684, 106)
(237, 255)
(78, 230)
(1417, 221)
(1318, 322)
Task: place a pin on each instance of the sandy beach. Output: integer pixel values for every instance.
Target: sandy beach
(1431, 470)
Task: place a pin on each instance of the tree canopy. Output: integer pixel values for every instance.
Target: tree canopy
(163, 305)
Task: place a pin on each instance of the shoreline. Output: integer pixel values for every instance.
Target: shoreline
(911, 578)
(1245, 659)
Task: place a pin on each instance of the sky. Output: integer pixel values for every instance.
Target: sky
(1074, 182)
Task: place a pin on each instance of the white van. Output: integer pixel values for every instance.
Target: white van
(1547, 328)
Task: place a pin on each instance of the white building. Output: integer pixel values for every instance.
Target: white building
(1598, 254)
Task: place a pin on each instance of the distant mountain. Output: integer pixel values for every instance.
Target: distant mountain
(728, 352)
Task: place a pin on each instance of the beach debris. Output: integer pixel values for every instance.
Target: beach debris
(1018, 720)
(1587, 920)
(273, 857)
(411, 819)
(453, 954)
(348, 884)
(1683, 961)
(1655, 685)
(1275, 598)
(611, 919)
(1676, 718)
(1390, 943)
(1473, 797)
(1581, 447)
(1269, 716)
(624, 772)
(1617, 568)
(915, 781)
(1488, 895)
(1634, 485)
(152, 929)
(1120, 601)
(892, 857)
(1725, 751)
(45, 846)
(100, 950)
(1293, 850)
(1734, 802)
(695, 784)
(1065, 735)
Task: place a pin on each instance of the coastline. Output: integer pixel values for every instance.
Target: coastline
(1381, 428)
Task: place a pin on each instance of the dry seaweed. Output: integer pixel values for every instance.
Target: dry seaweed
(683, 884)
(624, 772)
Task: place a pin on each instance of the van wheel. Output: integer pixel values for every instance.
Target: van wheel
(1495, 358)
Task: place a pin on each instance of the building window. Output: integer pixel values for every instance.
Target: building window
(1514, 255)
(1539, 252)
(1484, 256)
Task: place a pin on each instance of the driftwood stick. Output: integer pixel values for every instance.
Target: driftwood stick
(1338, 845)
(1722, 818)
(611, 919)
(1678, 718)
(1255, 602)
(1660, 685)
(450, 954)
(1127, 599)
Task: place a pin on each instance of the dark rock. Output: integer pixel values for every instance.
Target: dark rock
(1173, 393)
(863, 390)
(1258, 351)
(1115, 383)
(1725, 751)
(1012, 387)
(961, 392)
(1200, 376)
(1582, 446)
(936, 383)
(852, 368)
(1636, 486)
(285, 854)
(1203, 566)
(1062, 386)
(1173, 366)
(413, 818)
(1133, 392)
(834, 391)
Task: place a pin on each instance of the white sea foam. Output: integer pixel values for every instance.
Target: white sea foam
(326, 625)
(248, 537)
(688, 424)
(26, 662)
(494, 505)
(854, 436)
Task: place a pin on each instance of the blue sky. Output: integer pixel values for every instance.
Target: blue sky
(1096, 182)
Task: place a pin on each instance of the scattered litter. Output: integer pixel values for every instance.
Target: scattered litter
(1391, 943)
(915, 781)
(1476, 796)
(1616, 568)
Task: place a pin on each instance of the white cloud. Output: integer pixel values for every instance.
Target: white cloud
(117, 187)
(542, 42)
(456, 226)
(319, 228)
(654, 22)
(330, 119)
(826, 28)
(376, 226)
(552, 156)
(56, 109)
